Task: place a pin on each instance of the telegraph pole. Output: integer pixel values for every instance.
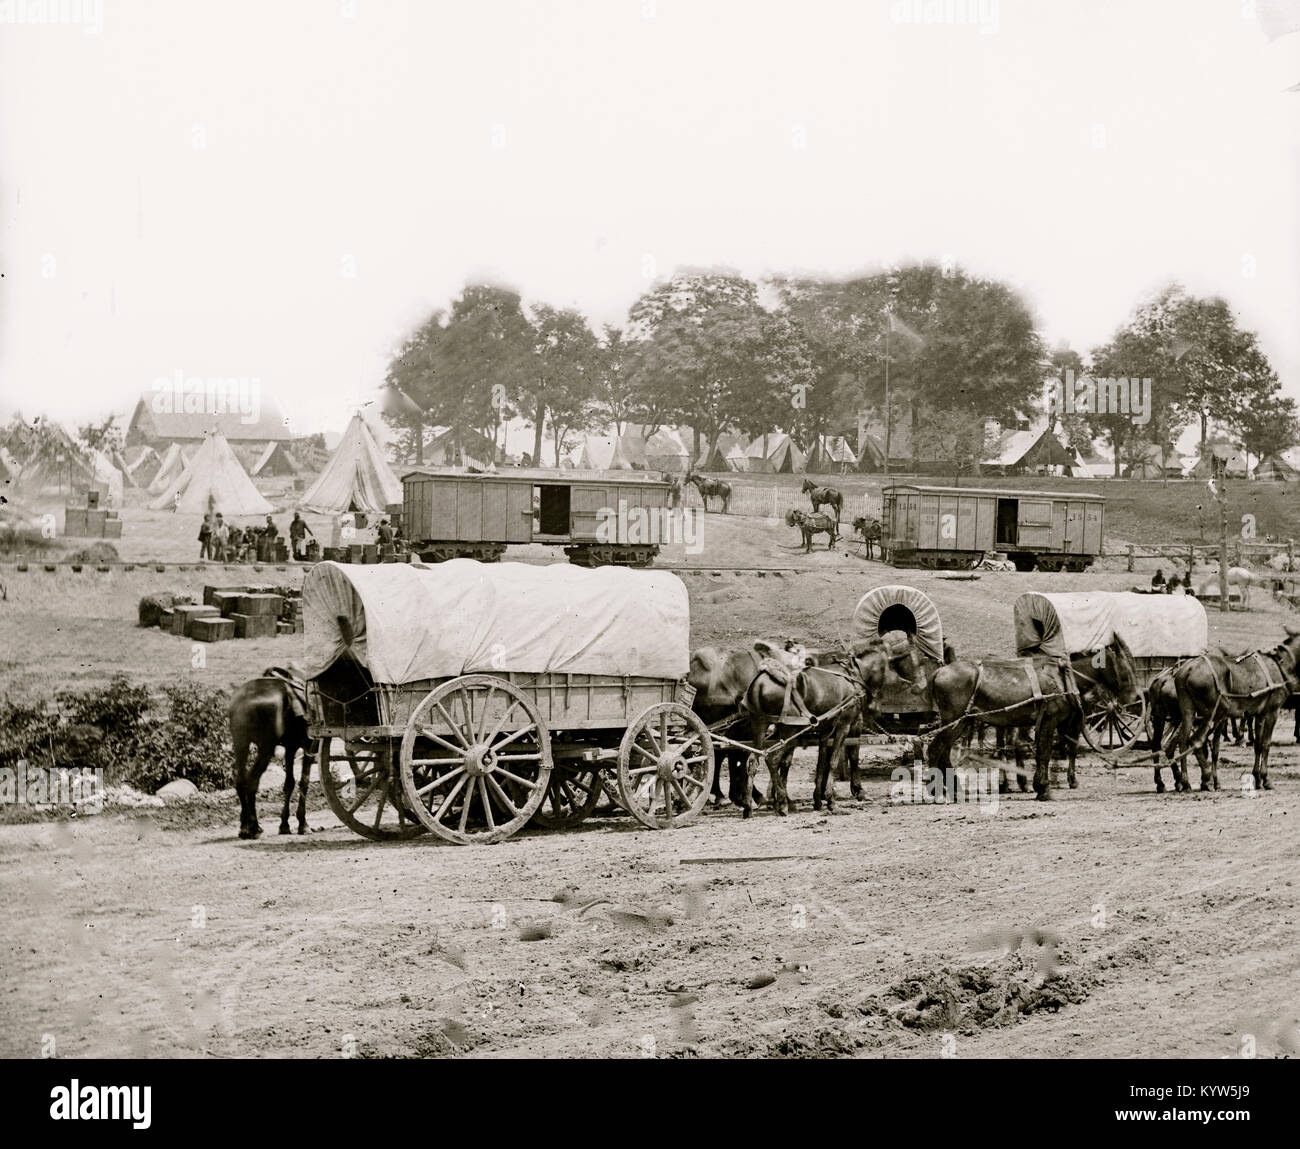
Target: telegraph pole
(1223, 539)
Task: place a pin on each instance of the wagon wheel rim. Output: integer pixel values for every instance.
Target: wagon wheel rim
(665, 764)
(475, 759)
(571, 795)
(1111, 726)
(362, 789)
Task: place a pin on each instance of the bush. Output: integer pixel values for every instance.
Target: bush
(118, 728)
(191, 742)
(95, 553)
(25, 539)
(152, 606)
(116, 711)
(27, 732)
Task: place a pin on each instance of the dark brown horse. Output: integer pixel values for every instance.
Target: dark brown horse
(720, 682)
(823, 497)
(1216, 685)
(868, 529)
(1037, 690)
(711, 489)
(268, 712)
(837, 694)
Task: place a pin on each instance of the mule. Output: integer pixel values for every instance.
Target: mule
(1215, 685)
(720, 682)
(711, 489)
(816, 524)
(868, 529)
(844, 687)
(265, 713)
(1037, 690)
(1163, 711)
(823, 497)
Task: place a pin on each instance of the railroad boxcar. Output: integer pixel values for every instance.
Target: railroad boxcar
(955, 527)
(597, 520)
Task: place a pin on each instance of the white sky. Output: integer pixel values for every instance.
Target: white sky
(633, 130)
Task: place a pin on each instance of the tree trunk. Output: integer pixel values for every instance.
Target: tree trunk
(540, 419)
(1204, 432)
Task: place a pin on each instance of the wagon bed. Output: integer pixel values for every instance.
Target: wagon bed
(472, 699)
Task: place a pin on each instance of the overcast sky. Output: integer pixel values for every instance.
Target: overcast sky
(281, 190)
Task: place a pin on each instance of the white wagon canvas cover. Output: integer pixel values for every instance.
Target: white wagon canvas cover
(1153, 625)
(912, 604)
(412, 623)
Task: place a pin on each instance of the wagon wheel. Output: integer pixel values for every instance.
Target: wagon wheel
(571, 796)
(1111, 726)
(664, 766)
(475, 759)
(363, 791)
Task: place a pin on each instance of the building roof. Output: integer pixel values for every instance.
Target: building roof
(149, 423)
(1000, 492)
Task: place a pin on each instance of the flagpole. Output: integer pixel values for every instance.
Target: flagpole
(889, 421)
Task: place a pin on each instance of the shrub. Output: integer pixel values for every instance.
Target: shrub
(25, 539)
(116, 711)
(152, 605)
(95, 553)
(27, 731)
(190, 742)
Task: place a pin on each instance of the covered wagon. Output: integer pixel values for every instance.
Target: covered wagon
(468, 699)
(904, 706)
(1160, 630)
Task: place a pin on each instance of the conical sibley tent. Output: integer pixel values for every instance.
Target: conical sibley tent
(169, 470)
(214, 481)
(357, 477)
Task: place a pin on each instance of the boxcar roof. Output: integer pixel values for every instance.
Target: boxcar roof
(535, 475)
(1007, 494)
(1153, 625)
(411, 622)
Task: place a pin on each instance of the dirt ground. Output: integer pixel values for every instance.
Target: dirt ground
(1111, 922)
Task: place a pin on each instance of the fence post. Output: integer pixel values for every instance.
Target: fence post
(1130, 556)
(1191, 559)
(775, 492)
(1290, 554)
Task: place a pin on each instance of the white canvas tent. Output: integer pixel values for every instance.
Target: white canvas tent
(169, 470)
(274, 460)
(781, 456)
(214, 481)
(107, 477)
(829, 455)
(666, 450)
(357, 477)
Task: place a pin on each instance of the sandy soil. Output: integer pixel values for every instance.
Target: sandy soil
(885, 930)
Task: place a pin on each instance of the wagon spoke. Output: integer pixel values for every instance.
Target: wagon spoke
(437, 761)
(429, 733)
(379, 807)
(685, 746)
(364, 797)
(451, 797)
(507, 740)
(455, 728)
(694, 781)
(487, 701)
(682, 795)
(643, 770)
(464, 809)
(440, 780)
(568, 793)
(503, 796)
(697, 758)
(502, 721)
(517, 757)
(487, 806)
(515, 778)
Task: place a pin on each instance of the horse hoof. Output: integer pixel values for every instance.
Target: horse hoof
(1160, 787)
(857, 794)
(1074, 783)
(1266, 785)
(303, 831)
(1044, 796)
(284, 828)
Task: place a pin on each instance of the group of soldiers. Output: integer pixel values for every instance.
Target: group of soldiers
(221, 541)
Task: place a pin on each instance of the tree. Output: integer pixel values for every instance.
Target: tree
(560, 383)
(950, 435)
(1268, 426)
(460, 368)
(615, 391)
(705, 357)
(102, 436)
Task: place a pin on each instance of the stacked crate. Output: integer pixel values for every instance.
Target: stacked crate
(91, 521)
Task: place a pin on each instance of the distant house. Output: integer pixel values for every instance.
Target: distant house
(1220, 458)
(157, 423)
(1029, 450)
